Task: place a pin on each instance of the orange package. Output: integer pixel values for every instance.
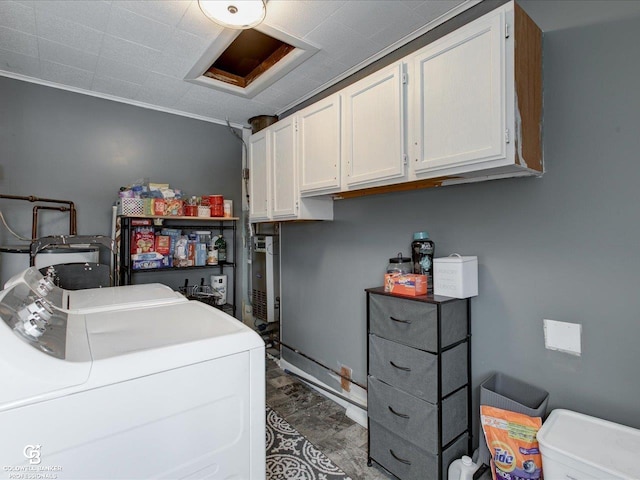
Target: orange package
(511, 438)
(405, 283)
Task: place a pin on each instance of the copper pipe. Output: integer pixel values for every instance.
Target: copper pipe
(34, 223)
(32, 199)
(73, 219)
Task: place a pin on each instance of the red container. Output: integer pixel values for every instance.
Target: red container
(217, 210)
(216, 200)
(191, 210)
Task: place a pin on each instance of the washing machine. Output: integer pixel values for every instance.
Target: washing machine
(175, 390)
(95, 299)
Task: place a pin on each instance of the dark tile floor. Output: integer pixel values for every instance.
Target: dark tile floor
(322, 421)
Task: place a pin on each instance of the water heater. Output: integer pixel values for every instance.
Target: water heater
(265, 278)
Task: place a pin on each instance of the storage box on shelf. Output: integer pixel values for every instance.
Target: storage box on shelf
(419, 383)
(131, 206)
(154, 256)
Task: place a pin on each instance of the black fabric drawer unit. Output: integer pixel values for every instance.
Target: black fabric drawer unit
(419, 383)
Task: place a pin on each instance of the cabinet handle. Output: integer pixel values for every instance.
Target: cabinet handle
(401, 460)
(401, 415)
(408, 322)
(405, 369)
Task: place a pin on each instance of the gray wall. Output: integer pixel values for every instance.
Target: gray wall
(562, 247)
(63, 145)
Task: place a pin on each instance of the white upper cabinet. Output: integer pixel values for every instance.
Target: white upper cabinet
(460, 112)
(259, 183)
(319, 147)
(283, 168)
(273, 177)
(464, 108)
(465, 113)
(373, 130)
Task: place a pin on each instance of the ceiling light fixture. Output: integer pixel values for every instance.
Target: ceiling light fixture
(238, 14)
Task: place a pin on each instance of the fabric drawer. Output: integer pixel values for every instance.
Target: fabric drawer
(407, 461)
(416, 371)
(416, 420)
(415, 323)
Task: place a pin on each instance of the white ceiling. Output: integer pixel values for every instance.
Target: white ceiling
(140, 51)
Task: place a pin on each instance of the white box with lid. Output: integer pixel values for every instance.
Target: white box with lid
(455, 276)
(577, 446)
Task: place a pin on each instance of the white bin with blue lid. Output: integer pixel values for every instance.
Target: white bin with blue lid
(580, 447)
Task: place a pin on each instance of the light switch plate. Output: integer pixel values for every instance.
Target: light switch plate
(563, 336)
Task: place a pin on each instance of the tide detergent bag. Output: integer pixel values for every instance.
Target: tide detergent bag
(511, 438)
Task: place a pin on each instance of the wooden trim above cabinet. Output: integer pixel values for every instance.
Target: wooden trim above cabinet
(397, 187)
(528, 87)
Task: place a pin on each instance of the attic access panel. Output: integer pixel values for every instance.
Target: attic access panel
(244, 63)
(249, 55)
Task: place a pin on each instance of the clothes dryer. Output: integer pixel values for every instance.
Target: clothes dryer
(158, 391)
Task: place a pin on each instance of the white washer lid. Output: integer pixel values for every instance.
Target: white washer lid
(601, 444)
(145, 340)
(111, 298)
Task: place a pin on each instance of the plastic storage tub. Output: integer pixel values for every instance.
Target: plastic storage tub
(508, 393)
(580, 447)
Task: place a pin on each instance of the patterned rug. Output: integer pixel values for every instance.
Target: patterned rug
(290, 456)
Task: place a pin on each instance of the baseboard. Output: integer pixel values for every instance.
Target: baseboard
(355, 413)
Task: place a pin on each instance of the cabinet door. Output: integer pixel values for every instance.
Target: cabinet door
(283, 168)
(259, 176)
(459, 98)
(319, 147)
(373, 141)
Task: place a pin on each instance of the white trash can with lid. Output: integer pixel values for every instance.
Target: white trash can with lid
(580, 447)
